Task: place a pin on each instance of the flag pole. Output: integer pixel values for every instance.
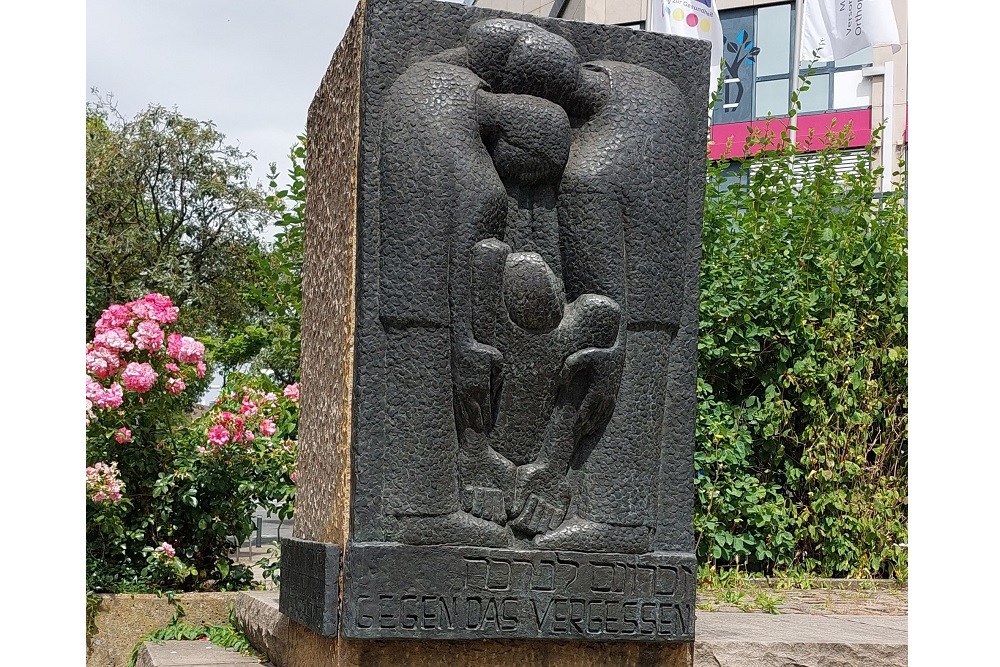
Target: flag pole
(796, 57)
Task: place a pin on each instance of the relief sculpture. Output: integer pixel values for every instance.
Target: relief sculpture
(530, 282)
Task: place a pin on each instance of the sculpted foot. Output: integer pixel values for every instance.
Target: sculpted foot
(578, 534)
(457, 528)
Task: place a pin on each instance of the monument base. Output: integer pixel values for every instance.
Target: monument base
(397, 591)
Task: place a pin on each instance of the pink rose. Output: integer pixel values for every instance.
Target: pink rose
(225, 416)
(294, 477)
(155, 307)
(185, 349)
(123, 435)
(248, 407)
(268, 428)
(148, 336)
(292, 392)
(114, 339)
(115, 316)
(167, 550)
(102, 361)
(172, 367)
(112, 397)
(175, 386)
(248, 436)
(104, 398)
(201, 369)
(139, 378)
(218, 435)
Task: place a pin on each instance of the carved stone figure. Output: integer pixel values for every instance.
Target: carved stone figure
(533, 305)
(500, 309)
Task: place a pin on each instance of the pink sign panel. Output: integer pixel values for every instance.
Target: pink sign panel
(730, 139)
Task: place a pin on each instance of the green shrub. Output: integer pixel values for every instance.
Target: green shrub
(801, 459)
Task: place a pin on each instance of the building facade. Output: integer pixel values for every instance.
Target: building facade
(866, 89)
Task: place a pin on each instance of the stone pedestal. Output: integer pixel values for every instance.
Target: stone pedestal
(498, 344)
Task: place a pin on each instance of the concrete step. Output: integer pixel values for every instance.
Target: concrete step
(191, 653)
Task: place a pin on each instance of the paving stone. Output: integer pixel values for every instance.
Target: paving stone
(190, 653)
(799, 640)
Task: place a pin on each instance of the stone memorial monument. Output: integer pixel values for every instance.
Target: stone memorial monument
(498, 342)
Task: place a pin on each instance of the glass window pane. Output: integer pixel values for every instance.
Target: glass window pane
(774, 37)
(851, 90)
(817, 97)
(771, 97)
(862, 57)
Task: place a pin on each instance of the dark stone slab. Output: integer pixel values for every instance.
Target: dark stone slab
(410, 592)
(525, 263)
(310, 576)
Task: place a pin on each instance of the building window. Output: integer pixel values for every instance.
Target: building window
(758, 48)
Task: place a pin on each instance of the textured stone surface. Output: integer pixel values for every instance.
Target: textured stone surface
(123, 619)
(310, 572)
(190, 653)
(467, 593)
(803, 640)
(258, 617)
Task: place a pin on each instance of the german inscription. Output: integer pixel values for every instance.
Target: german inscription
(462, 593)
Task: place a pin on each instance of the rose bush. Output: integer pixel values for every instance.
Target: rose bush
(169, 493)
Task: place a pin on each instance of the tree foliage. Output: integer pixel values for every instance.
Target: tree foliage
(170, 209)
(802, 390)
(270, 341)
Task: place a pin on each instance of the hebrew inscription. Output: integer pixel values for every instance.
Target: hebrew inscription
(500, 593)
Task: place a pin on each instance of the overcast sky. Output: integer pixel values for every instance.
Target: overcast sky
(251, 66)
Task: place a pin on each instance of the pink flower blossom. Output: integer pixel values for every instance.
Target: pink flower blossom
(172, 367)
(175, 386)
(225, 416)
(294, 477)
(139, 378)
(148, 336)
(116, 316)
(114, 339)
(248, 436)
(103, 483)
(155, 307)
(101, 397)
(218, 435)
(270, 397)
(292, 392)
(200, 368)
(123, 435)
(167, 549)
(103, 362)
(267, 427)
(248, 407)
(185, 349)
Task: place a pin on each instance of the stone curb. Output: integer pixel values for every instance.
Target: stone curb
(190, 653)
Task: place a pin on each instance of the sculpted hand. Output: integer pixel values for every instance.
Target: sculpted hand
(541, 498)
(477, 376)
(603, 368)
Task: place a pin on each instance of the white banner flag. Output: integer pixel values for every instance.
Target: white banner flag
(834, 29)
(689, 18)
